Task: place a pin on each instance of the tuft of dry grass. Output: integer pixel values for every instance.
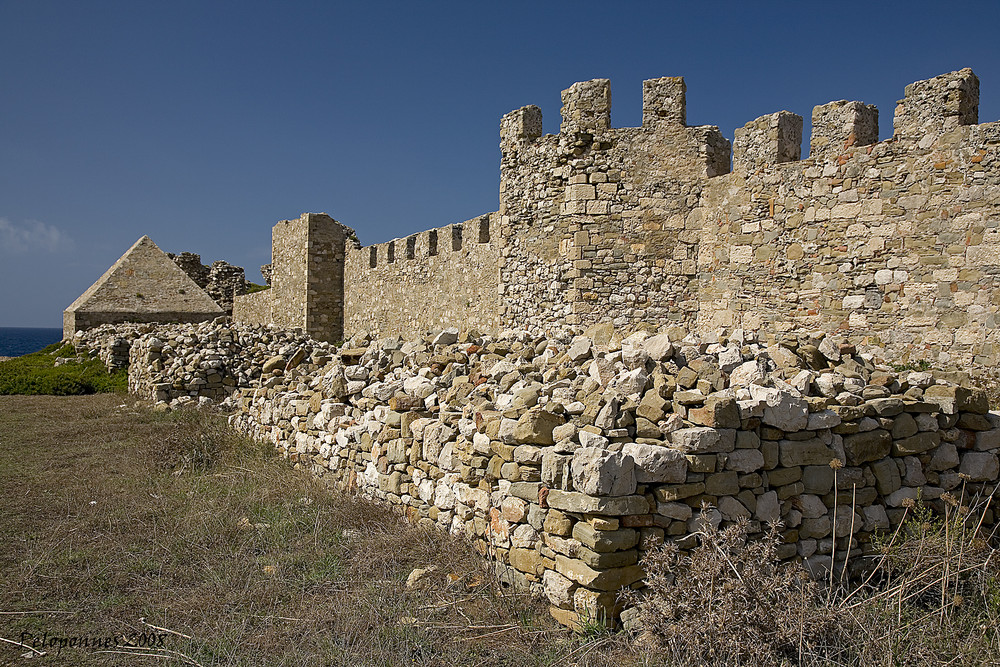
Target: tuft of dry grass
(732, 601)
(120, 522)
(932, 598)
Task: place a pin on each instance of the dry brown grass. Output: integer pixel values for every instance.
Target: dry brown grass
(932, 598)
(117, 521)
(111, 514)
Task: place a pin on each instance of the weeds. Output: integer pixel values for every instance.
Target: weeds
(731, 601)
(932, 597)
(36, 374)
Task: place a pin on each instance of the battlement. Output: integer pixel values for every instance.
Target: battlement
(929, 109)
(896, 238)
(429, 243)
(770, 139)
(932, 107)
(586, 108)
(837, 126)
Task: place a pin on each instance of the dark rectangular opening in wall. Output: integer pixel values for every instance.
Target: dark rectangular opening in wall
(484, 229)
(411, 247)
(373, 257)
(432, 242)
(391, 251)
(456, 237)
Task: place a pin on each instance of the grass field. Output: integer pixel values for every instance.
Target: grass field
(116, 521)
(36, 374)
(166, 539)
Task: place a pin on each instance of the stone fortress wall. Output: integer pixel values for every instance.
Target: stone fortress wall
(893, 242)
(436, 279)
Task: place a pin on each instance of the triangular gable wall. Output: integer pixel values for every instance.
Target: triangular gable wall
(144, 285)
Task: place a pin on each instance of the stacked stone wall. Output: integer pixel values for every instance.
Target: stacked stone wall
(566, 455)
(565, 458)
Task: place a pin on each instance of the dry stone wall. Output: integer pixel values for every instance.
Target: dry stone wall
(565, 455)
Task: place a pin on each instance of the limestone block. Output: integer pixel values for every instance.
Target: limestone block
(604, 541)
(869, 446)
(535, 427)
(570, 501)
(655, 464)
(700, 439)
(782, 410)
(599, 472)
(602, 580)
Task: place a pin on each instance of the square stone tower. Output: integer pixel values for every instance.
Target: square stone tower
(307, 279)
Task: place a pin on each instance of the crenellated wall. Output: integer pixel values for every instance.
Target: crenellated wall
(894, 241)
(435, 279)
(594, 217)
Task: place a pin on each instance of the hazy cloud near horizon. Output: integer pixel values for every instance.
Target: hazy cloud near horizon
(32, 235)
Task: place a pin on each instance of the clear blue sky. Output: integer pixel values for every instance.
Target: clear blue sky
(203, 123)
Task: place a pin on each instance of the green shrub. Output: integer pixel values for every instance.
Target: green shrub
(254, 287)
(36, 373)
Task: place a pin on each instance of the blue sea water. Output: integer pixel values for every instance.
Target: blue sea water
(15, 341)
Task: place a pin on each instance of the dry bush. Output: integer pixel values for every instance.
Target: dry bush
(932, 597)
(731, 601)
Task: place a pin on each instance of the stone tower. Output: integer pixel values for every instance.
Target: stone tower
(307, 278)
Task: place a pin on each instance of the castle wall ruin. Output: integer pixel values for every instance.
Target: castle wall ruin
(436, 279)
(893, 242)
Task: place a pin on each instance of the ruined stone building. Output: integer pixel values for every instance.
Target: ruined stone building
(144, 285)
(894, 239)
(149, 285)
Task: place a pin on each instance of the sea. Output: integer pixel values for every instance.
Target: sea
(15, 341)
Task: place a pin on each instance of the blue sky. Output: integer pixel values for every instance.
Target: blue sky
(203, 123)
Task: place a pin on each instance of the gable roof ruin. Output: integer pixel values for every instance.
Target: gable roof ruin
(144, 285)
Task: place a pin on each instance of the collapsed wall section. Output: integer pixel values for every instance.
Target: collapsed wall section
(446, 277)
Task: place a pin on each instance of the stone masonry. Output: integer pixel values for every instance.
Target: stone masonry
(222, 280)
(566, 455)
(306, 277)
(894, 242)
